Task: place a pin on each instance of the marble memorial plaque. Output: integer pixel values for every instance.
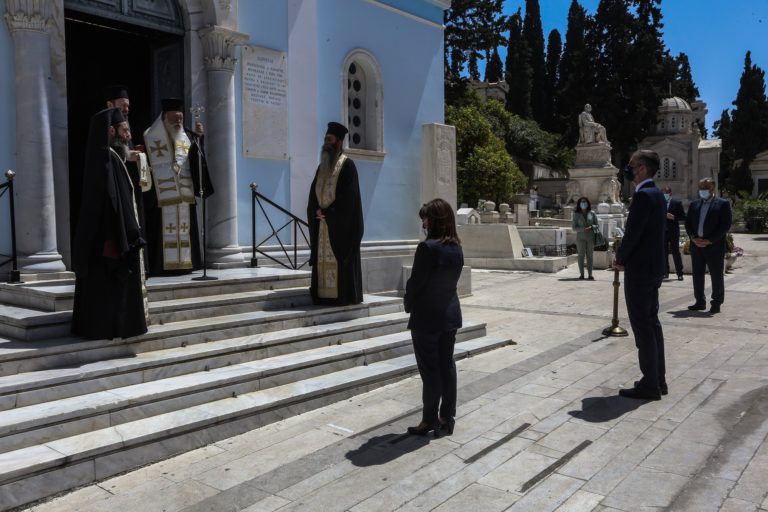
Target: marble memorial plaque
(265, 103)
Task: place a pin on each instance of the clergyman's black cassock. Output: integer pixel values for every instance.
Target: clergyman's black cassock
(344, 218)
(154, 217)
(109, 301)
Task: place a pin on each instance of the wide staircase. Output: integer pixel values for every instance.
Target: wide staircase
(221, 358)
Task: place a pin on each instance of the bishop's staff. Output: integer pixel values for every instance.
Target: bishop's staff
(196, 111)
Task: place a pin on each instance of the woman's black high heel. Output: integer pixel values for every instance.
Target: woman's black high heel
(447, 426)
(424, 428)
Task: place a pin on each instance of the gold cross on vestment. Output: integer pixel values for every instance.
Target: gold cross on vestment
(158, 148)
(184, 227)
(170, 228)
(183, 146)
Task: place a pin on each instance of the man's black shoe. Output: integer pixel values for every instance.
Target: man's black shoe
(663, 387)
(640, 394)
(699, 306)
(714, 308)
(680, 277)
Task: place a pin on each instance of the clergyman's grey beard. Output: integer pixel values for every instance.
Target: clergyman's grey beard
(327, 159)
(120, 147)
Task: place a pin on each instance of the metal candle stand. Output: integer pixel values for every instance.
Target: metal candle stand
(196, 111)
(615, 329)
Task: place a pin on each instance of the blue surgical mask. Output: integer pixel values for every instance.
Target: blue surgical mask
(583, 205)
(704, 194)
(666, 197)
(629, 172)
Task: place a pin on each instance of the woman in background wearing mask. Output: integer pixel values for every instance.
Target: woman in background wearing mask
(585, 225)
(432, 301)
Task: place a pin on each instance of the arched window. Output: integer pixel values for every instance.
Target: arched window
(362, 107)
(668, 168)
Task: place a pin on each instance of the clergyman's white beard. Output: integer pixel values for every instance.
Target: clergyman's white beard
(121, 148)
(172, 129)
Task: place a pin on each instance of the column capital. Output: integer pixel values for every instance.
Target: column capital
(32, 15)
(219, 47)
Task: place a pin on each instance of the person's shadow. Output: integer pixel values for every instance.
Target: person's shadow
(687, 313)
(605, 408)
(383, 449)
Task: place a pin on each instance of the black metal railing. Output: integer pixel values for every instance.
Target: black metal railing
(296, 225)
(7, 187)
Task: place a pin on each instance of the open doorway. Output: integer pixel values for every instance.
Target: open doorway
(102, 52)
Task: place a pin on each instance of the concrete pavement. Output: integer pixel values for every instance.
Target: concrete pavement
(540, 426)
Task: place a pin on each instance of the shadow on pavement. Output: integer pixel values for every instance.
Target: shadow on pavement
(605, 408)
(686, 313)
(383, 449)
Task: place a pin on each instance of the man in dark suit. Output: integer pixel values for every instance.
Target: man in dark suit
(675, 214)
(642, 258)
(707, 224)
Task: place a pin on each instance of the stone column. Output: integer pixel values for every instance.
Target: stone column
(28, 22)
(220, 143)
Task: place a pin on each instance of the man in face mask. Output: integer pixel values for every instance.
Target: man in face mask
(707, 224)
(675, 214)
(641, 256)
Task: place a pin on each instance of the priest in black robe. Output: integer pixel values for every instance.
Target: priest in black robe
(178, 163)
(110, 298)
(335, 217)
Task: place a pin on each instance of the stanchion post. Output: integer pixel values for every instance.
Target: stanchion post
(615, 330)
(254, 260)
(14, 275)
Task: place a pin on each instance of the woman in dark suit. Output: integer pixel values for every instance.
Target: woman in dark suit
(431, 299)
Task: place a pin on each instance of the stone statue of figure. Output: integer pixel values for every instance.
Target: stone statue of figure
(573, 190)
(609, 192)
(590, 132)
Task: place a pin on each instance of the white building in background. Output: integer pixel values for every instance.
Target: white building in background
(685, 156)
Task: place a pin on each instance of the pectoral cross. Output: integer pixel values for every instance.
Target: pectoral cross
(158, 148)
(170, 228)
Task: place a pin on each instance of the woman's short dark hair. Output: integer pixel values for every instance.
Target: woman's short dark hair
(441, 221)
(583, 198)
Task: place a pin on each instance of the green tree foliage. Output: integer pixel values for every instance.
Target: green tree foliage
(749, 123)
(554, 52)
(518, 72)
(473, 29)
(684, 86)
(750, 115)
(485, 170)
(534, 37)
(494, 71)
(576, 77)
(728, 153)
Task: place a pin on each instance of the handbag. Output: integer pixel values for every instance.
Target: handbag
(600, 242)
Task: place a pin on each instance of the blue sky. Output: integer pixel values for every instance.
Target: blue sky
(715, 34)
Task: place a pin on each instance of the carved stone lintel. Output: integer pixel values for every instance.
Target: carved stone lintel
(32, 15)
(219, 45)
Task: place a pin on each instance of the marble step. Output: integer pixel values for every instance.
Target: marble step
(47, 421)
(58, 295)
(18, 357)
(20, 390)
(34, 472)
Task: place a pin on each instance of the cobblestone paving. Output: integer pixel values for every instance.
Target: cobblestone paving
(540, 426)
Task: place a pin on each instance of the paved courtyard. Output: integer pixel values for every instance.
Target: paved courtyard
(540, 426)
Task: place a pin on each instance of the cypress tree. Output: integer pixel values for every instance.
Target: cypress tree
(494, 71)
(749, 122)
(722, 130)
(575, 76)
(534, 37)
(518, 73)
(554, 52)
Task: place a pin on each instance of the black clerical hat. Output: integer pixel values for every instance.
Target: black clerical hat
(172, 105)
(115, 117)
(337, 130)
(113, 92)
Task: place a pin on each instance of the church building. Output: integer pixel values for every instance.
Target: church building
(269, 74)
(685, 156)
